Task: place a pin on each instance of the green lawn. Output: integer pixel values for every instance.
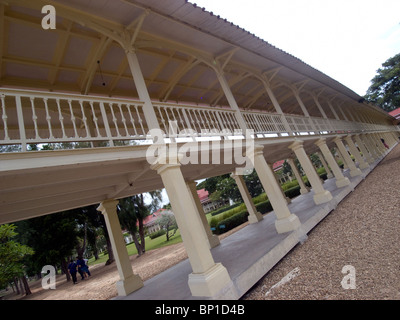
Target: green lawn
(150, 245)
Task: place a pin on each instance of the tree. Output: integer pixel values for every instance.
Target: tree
(168, 223)
(53, 237)
(385, 86)
(133, 210)
(224, 187)
(12, 254)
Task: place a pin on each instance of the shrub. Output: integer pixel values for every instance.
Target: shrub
(231, 222)
(292, 192)
(157, 234)
(224, 208)
(264, 207)
(260, 198)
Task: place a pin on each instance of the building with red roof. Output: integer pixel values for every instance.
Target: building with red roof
(395, 113)
(208, 204)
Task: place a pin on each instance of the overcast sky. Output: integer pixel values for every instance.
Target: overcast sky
(346, 39)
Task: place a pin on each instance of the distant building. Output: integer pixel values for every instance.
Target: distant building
(150, 225)
(208, 204)
(395, 113)
(150, 222)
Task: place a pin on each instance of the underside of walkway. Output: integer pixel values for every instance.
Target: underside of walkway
(252, 251)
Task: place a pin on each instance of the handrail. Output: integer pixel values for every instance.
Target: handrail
(37, 117)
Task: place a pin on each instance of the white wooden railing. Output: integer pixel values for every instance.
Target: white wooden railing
(34, 117)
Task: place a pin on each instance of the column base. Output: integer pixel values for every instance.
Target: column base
(355, 172)
(254, 218)
(342, 182)
(209, 283)
(129, 285)
(304, 190)
(213, 241)
(287, 224)
(322, 197)
(364, 165)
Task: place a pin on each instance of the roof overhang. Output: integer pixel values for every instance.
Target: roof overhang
(178, 45)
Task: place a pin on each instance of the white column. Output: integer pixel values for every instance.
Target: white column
(329, 173)
(285, 220)
(254, 216)
(377, 139)
(271, 165)
(364, 150)
(231, 100)
(208, 278)
(341, 180)
(303, 188)
(354, 151)
(371, 148)
(213, 240)
(354, 171)
(129, 281)
(320, 194)
(278, 108)
(148, 109)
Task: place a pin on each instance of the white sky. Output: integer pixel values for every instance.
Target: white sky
(346, 39)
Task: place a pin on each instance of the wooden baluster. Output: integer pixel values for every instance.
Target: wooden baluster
(140, 119)
(72, 118)
(131, 118)
(114, 119)
(95, 119)
(4, 117)
(34, 118)
(84, 119)
(61, 118)
(48, 118)
(123, 120)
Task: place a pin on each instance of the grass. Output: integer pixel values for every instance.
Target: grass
(151, 244)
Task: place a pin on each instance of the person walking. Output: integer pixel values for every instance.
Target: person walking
(83, 268)
(72, 270)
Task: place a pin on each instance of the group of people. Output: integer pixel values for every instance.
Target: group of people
(80, 265)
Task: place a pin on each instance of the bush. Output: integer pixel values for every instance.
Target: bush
(292, 192)
(224, 208)
(231, 222)
(227, 214)
(260, 198)
(157, 234)
(264, 207)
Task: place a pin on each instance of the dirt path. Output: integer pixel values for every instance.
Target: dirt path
(101, 284)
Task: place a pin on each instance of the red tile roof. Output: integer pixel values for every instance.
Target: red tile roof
(395, 113)
(203, 195)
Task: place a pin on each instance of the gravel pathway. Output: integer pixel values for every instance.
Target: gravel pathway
(363, 233)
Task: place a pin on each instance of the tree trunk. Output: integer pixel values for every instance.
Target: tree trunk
(141, 235)
(26, 286)
(64, 268)
(137, 244)
(111, 258)
(16, 285)
(21, 285)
